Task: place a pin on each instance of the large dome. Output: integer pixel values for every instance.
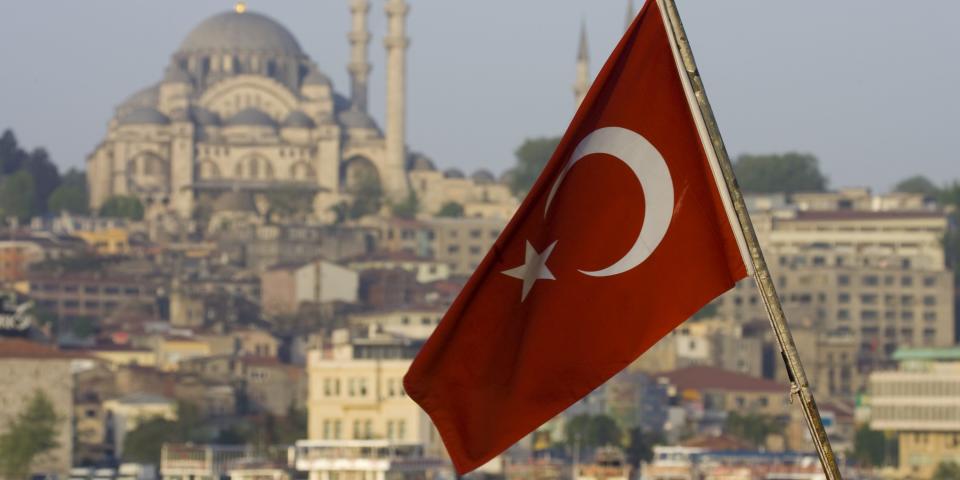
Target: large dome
(241, 32)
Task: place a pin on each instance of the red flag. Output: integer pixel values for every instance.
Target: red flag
(627, 233)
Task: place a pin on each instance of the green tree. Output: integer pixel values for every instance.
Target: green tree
(531, 156)
(917, 184)
(753, 428)
(32, 432)
(406, 209)
(46, 177)
(290, 203)
(142, 444)
(17, 194)
(12, 157)
(946, 471)
(787, 173)
(121, 206)
(587, 432)
(641, 445)
(71, 196)
(869, 446)
(949, 196)
(367, 197)
(451, 210)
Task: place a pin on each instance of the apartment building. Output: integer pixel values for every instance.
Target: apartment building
(920, 402)
(460, 243)
(355, 392)
(876, 278)
(75, 295)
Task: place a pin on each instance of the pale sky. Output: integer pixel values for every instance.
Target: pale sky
(866, 85)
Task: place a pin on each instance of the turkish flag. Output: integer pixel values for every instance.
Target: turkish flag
(626, 233)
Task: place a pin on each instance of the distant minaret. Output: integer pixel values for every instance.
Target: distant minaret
(396, 43)
(582, 83)
(359, 66)
(631, 13)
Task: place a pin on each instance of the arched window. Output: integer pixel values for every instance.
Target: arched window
(254, 168)
(209, 169)
(357, 172)
(302, 171)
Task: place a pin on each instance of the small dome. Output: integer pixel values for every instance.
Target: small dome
(175, 74)
(251, 116)
(315, 77)
(245, 32)
(298, 119)
(420, 162)
(483, 176)
(353, 118)
(453, 173)
(147, 97)
(144, 116)
(507, 177)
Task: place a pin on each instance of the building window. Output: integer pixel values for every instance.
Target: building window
(871, 280)
(929, 300)
(906, 281)
(843, 280)
(843, 298)
(929, 281)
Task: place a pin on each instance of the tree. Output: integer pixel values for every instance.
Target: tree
(46, 177)
(408, 208)
(30, 433)
(787, 173)
(12, 157)
(946, 471)
(751, 427)
(587, 432)
(532, 156)
(142, 444)
(121, 206)
(289, 202)
(869, 446)
(917, 184)
(71, 196)
(17, 194)
(367, 196)
(641, 445)
(451, 210)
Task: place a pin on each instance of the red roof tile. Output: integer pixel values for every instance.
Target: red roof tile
(712, 378)
(20, 348)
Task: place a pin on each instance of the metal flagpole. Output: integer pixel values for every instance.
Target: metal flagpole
(761, 274)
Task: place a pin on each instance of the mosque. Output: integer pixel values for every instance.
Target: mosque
(242, 111)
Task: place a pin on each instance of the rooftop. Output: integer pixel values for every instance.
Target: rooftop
(842, 215)
(712, 378)
(19, 348)
(929, 354)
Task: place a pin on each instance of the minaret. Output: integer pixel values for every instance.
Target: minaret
(359, 66)
(582, 83)
(394, 175)
(631, 13)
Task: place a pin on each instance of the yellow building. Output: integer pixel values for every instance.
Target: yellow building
(355, 392)
(109, 241)
(170, 351)
(920, 402)
(122, 356)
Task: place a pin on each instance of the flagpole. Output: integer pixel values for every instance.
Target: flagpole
(764, 281)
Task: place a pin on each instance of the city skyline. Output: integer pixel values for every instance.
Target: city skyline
(900, 104)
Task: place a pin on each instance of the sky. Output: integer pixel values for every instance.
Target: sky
(866, 85)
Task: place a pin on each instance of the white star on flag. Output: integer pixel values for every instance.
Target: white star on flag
(534, 268)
